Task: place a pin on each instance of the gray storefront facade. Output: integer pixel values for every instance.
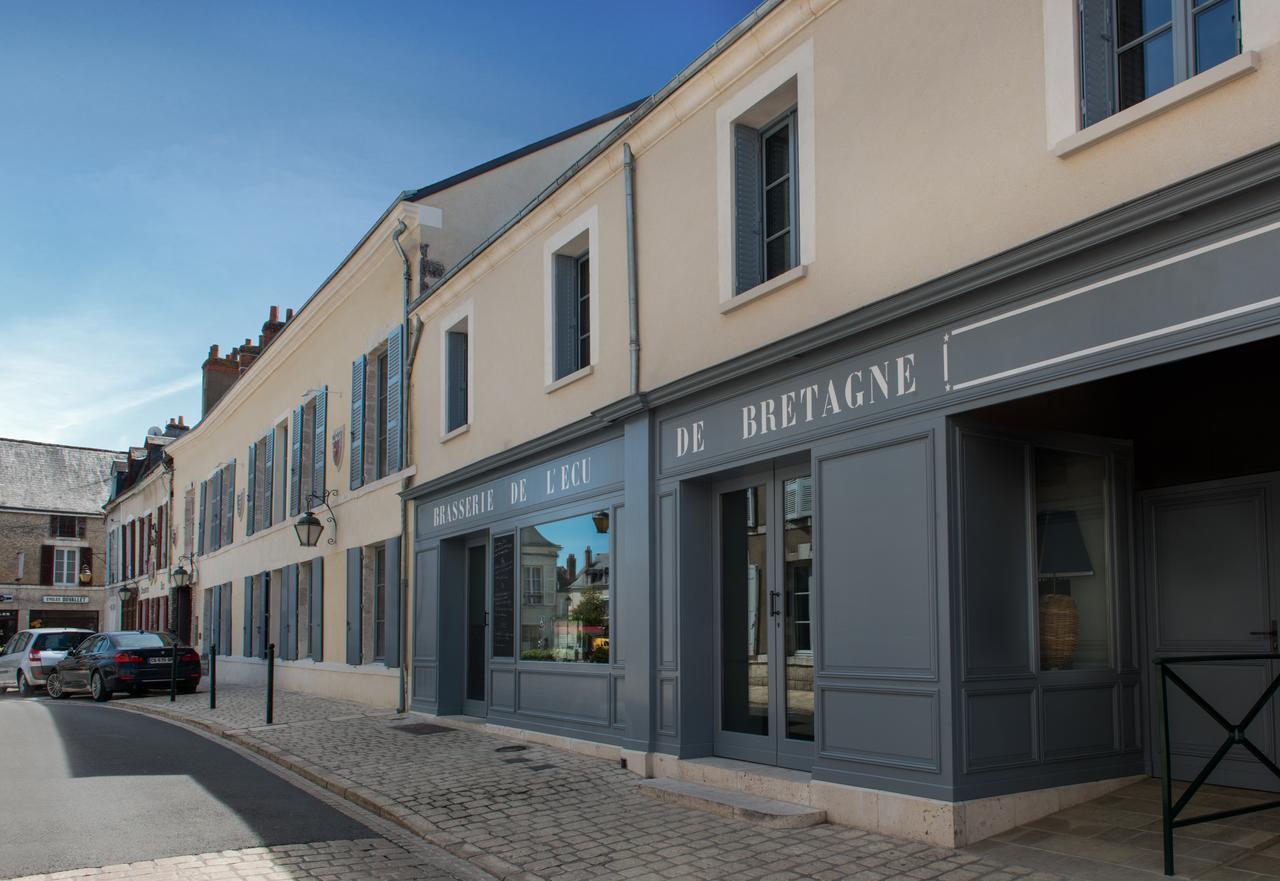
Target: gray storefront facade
(930, 548)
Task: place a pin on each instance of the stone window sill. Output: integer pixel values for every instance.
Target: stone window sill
(777, 283)
(461, 429)
(1244, 63)
(569, 378)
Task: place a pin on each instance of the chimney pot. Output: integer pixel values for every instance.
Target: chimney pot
(213, 351)
(288, 315)
(275, 313)
(571, 565)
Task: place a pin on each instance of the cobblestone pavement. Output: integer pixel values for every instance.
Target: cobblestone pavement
(545, 813)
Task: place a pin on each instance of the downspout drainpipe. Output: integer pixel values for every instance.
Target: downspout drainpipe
(633, 302)
(406, 541)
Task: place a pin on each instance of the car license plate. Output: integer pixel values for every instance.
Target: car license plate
(162, 660)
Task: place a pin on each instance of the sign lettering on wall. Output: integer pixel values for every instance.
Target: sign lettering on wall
(849, 390)
(580, 473)
(56, 599)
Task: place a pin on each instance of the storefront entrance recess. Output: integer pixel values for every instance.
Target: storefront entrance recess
(474, 703)
(764, 640)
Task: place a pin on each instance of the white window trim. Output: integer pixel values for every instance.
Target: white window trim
(798, 65)
(465, 314)
(588, 222)
(75, 567)
(1259, 28)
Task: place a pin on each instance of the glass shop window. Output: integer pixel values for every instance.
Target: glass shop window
(564, 596)
(1073, 522)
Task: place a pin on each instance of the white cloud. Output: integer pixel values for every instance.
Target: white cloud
(88, 380)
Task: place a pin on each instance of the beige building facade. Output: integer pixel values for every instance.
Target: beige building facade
(865, 353)
(309, 419)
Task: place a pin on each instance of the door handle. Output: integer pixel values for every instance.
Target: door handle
(1273, 633)
(773, 603)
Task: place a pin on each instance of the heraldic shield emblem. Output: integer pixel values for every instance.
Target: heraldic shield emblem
(335, 444)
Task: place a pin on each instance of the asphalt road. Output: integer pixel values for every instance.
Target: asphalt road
(86, 785)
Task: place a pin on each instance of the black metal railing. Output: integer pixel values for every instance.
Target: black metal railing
(1235, 737)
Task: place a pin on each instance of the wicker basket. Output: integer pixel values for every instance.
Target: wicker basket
(1059, 631)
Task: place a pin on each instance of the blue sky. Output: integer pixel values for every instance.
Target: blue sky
(168, 171)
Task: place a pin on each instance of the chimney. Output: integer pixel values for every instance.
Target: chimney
(176, 428)
(288, 315)
(586, 557)
(571, 565)
(272, 326)
(217, 375)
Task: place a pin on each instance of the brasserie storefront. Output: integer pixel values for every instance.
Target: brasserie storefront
(930, 549)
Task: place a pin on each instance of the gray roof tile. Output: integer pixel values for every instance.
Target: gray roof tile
(52, 477)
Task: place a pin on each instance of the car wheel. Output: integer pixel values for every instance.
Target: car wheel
(24, 687)
(98, 688)
(53, 685)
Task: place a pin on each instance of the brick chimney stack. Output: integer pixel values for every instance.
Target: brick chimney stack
(176, 428)
(218, 375)
(571, 567)
(586, 558)
(272, 326)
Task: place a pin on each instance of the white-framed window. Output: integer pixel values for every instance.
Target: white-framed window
(1111, 64)
(457, 360)
(66, 566)
(765, 184)
(531, 579)
(571, 260)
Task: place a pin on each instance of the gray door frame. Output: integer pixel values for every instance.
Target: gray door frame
(1235, 771)
(470, 706)
(775, 748)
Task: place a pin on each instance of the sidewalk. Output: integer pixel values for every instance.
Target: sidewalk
(544, 813)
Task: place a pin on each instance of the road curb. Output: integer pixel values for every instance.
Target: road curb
(360, 796)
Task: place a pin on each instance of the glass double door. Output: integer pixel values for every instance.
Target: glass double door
(765, 634)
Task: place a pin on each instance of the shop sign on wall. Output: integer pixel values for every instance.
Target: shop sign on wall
(576, 474)
(60, 598)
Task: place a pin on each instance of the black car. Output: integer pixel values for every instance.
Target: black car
(127, 660)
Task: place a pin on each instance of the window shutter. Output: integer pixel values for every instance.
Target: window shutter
(356, 454)
(269, 479)
(204, 487)
(215, 510)
(392, 611)
(250, 486)
(456, 343)
(748, 241)
(46, 564)
(247, 648)
(295, 463)
(53, 525)
(86, 560)
(225, 630)
(213, 627)
(315, 610)
(395, 365)
(1097, 61)
(80, 526)
(565, 274)
(319, 445)
(228, 502)
(354, 624)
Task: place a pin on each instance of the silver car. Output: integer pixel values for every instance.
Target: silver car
(27, 658)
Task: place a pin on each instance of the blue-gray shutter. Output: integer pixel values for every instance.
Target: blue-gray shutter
(1097, 61)
(315, 610)
(204, 502)
(357, 423)
(268, 478)
(289, 622)
(249, 629)
(456, 379)
(225, 629)
(295, 463)
(215, 510)
(748, 237)
(354, 625)
(392, 611)
(565, 284)
(251, 483)
(228, 502)
(319, 444)
(395, 364)
(214, 624)
(263, 622)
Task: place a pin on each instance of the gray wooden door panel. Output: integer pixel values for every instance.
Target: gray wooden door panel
(1209, 566)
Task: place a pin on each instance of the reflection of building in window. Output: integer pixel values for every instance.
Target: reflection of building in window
(564, 596)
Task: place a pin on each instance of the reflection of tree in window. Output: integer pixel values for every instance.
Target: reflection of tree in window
(564, 601)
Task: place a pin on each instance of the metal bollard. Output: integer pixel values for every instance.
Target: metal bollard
(213, 676)
(271, 680)
(173, 672)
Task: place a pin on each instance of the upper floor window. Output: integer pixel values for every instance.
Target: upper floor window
(375, 412)
(61, 526)
(260, 479)
(765, 162)
(66, 566)
(572, 313)
(1131, 50)
(307, 453)
(456, 356)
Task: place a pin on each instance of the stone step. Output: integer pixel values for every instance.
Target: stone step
(755, 808)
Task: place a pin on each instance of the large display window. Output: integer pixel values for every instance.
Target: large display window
(564, 590)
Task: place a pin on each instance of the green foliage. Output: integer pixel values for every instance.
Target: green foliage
(592, 609)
